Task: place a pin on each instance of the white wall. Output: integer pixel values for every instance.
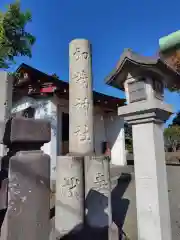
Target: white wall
(99, 133)
(110, 128)
(116, 138)
(47, 109)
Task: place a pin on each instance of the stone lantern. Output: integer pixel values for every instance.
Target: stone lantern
(143, 80)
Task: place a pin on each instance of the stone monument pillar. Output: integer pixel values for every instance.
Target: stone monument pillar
(143, 80)
(80, 98)
(71, 172)
(70, 182)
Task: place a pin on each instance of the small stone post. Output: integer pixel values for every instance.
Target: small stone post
(143, 80)
(5, 104)
(98, 194)
(69, 205)
(27, 216)
(6, 89)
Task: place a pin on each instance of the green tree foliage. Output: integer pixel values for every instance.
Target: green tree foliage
(14, 39)
(128, 137)
(176, 120)
(172, 58)
(172, 138)
(54, 75)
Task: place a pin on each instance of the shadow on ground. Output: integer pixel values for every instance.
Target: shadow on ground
(119, 204)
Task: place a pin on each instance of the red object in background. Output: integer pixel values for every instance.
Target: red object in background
(106, 150)
(47, 89)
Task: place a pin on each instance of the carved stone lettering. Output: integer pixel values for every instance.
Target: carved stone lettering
(83, 133)
(82, 104)
(100, 182)
(78, 54)
(85, 55)
(70, 186)
(81, 78)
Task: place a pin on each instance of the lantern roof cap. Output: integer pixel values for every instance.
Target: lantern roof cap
(141, 66)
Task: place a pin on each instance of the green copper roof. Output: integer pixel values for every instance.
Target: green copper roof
(170, 41)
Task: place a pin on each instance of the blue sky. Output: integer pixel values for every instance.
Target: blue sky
(111, 26)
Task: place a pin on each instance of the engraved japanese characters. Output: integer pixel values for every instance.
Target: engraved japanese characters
(81, 78)
(100, 183)
(69, 187)
(78, 54)
(82, 103)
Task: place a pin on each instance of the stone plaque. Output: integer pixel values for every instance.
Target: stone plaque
(137, 91)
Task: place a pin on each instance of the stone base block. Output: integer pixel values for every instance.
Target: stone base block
(27, 216)
(69, 205)
(97, 192)
(27, 130)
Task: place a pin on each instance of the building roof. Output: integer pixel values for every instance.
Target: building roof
(135, 64)
(39, 83)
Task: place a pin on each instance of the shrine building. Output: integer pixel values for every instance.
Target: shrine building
(39, 95)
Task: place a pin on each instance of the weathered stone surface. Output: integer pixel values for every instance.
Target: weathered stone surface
(69, 213)
(151, 182)
(150, 174)
(27, 130)
(97, 192)
(5, 104)
(171, 158)
(81, 140)
(27, 216)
